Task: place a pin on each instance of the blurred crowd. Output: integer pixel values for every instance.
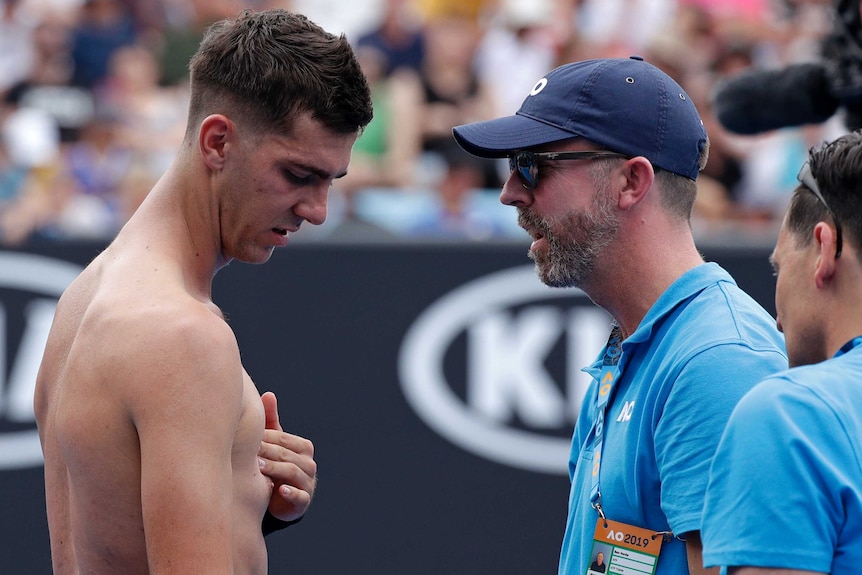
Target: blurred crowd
(93, 98)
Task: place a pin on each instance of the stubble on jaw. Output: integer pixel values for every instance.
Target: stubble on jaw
(575, 241)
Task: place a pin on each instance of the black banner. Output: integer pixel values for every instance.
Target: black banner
(439, 384)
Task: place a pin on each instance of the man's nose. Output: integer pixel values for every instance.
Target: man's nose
(313, 209)
(514, 193)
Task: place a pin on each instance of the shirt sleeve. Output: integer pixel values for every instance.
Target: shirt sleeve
(695, 414)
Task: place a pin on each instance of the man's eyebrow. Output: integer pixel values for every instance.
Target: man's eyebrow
(322, 174)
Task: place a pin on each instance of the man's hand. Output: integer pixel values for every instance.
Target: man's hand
(288, 460)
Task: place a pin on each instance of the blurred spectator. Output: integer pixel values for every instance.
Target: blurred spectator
(26, 202)
(446, 92)
(455, 214)
(718, 182)
(769, 172)
(91, 177)
(30, 135)
(81, 197)
(516, 49)
(398, 37)
(744, 20)
(353, 18)
(151, 117)
(12, 179)
(103, 26)
(689, 42)
(65, 10)
(150, 19)
(386, 152)
(16, 45)
(52, 60)
(450, 92)
(432, 64)
(620, 28)
(186, 22)
(48, 87)
(469, 9)
(29, 152)
(758, 172)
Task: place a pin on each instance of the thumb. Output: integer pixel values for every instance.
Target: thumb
(270, 409)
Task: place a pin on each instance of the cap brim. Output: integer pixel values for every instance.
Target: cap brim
(499, 137)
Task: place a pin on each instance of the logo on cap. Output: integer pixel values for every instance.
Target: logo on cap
(540, 85)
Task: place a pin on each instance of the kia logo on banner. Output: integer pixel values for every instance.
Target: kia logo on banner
(30, 286)
(520, 346)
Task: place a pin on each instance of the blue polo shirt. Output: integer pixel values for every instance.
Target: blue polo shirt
(702, 345)
(785, 488)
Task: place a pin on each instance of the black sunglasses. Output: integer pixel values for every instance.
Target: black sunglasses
(807, 179)
(526, 163)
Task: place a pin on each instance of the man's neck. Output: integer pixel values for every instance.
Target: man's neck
(630, 288)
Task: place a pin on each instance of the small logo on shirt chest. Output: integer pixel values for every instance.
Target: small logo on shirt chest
(626, 411)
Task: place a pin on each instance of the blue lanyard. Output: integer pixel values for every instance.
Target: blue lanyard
(855, 342)
(610, 372)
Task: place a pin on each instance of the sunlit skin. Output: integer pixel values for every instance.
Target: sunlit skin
(152, 458)
(810, 282)
(273, 184)
(805, 338)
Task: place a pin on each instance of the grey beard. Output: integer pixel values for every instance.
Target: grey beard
(574, 247)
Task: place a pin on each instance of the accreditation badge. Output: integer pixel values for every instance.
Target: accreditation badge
(623, 549)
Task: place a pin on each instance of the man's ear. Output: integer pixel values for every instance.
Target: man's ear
(215, 131)
(825, 240)
(639, 176)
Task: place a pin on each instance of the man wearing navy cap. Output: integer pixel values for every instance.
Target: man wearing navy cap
(604, 155)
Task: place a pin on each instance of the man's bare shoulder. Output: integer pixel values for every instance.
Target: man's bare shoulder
(155, 305)
(139, 317)
(168, 328)
(167, 353)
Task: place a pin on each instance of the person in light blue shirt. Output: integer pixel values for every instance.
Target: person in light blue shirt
(785, 490)
(604, 156)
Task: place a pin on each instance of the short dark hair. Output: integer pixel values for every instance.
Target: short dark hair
(837, 169)
(678, 193)
(270, 66)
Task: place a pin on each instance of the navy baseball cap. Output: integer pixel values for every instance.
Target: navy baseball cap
(624, 104)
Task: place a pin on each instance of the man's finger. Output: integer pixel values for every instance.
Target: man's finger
(270, 409)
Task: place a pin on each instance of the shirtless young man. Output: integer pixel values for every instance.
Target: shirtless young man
(150, 426)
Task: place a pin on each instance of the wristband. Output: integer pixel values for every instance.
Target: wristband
(271, 523)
